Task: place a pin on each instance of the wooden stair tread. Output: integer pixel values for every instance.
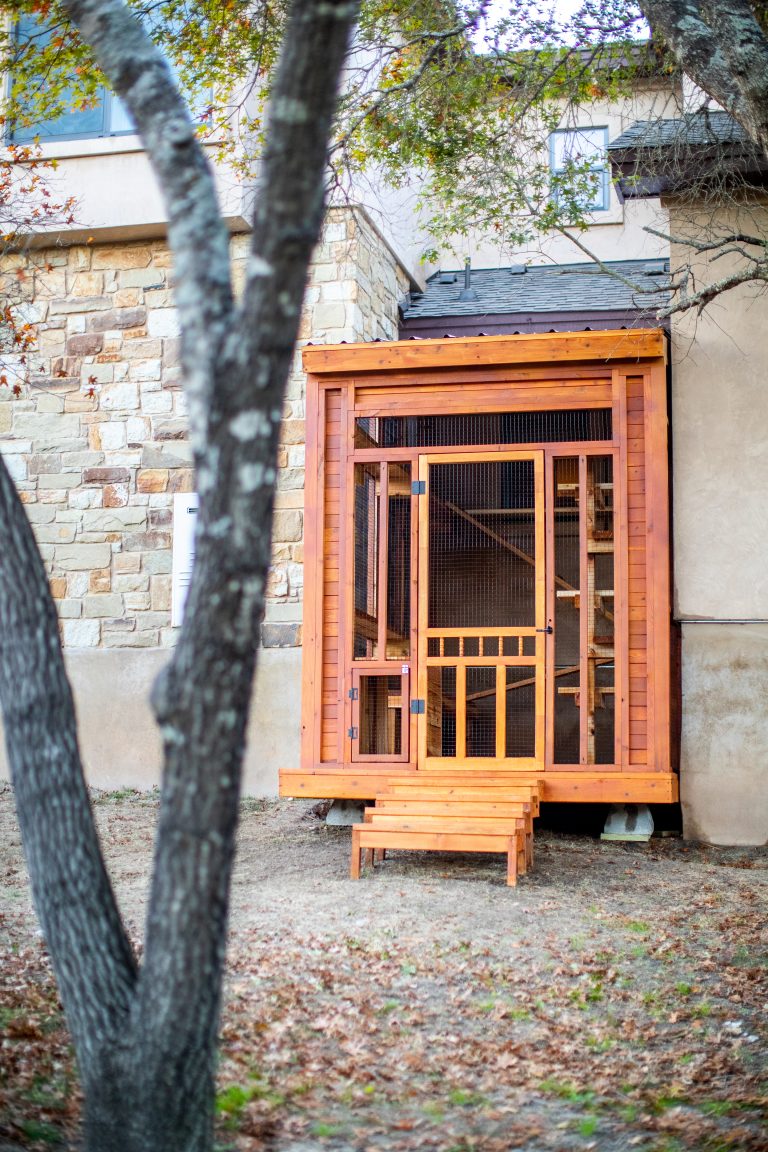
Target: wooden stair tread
(443, 816)
(443, 823)
(429, 806)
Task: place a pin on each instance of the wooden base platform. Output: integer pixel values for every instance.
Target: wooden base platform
(588, 787)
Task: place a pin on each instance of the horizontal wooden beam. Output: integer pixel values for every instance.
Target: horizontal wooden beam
(485, 351)
(589, 787)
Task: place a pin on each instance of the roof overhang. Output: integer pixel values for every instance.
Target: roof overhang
(642, 173)
(627, 345)
(522, 323)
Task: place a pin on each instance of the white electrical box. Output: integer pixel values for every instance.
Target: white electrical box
(184, 524)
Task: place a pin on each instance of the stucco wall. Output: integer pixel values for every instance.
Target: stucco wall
(720, 523)
(119, 741)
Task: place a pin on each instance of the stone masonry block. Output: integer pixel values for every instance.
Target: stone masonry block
(118, 318)
(106, 476)
(115, 495)
(112, 435)
(130, 582)
(66, 305)
(50, 462)
(137, 256)
(163, 322)
(328, 315)
(156, 403)
(17, 468)
(127, 298)
(292, 432)
(69, 609)
(127, 562)
(107, 604)
(82, 557)
(86, 284)
(149, 639)
(287, 525)
(146, 542)
(81, 633)
(113, 519)
(141, 278)
(55, 533)
(123, 397)
(160, 591)
(152, 480)
(48, 403)
(58, 587)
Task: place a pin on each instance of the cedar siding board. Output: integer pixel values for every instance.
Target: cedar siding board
(622, 370)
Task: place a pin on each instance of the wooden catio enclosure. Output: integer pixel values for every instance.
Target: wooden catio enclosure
(487, 567)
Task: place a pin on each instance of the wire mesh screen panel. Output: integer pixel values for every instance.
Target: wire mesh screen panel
(584, 697)
(398, 561)
(520, 711)
(380, 715)
(366, 579)
(600, 609)
(476, 429)
(567, 611)
(482, 545)
(441, 711)
(481, 711)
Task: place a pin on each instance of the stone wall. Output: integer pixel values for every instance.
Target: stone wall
(97, 439)
(96, 442)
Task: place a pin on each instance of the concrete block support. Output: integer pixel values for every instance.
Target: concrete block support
(119, 741)
(724, 752)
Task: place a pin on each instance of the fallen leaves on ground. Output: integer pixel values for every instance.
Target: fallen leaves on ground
(588, 1009)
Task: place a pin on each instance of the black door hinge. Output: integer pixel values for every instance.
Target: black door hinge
(352, 733)
(418, 487)
(353, 693)
(418, 707)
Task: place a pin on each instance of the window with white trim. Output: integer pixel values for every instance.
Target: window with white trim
(578, 161)
(103, 115)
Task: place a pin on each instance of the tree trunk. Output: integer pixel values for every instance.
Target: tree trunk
(146, 1040)
(722, 47)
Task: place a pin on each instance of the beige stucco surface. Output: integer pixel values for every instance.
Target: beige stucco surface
(120, 743)
(725, 733)
(720, 530)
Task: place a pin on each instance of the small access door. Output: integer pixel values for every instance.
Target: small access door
(482, 625)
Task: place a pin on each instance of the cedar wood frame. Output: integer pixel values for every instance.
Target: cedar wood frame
(625, 370)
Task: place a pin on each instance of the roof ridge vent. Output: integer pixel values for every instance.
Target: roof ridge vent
(517, 269)
(447, 277)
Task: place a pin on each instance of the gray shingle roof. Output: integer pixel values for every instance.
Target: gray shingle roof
(541, 288)
(693, 130)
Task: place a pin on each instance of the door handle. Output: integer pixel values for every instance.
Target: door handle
(549, 629)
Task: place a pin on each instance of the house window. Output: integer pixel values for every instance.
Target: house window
(578, 162)
(105, 114)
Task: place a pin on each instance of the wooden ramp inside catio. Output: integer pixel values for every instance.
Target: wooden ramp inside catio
(487, 584)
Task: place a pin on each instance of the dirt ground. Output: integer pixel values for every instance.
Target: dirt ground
(616, 999)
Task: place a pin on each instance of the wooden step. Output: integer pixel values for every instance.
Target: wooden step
(461, 794)
(422, 813)
(442, 838)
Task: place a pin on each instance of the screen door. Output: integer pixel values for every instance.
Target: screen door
(482, 620)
